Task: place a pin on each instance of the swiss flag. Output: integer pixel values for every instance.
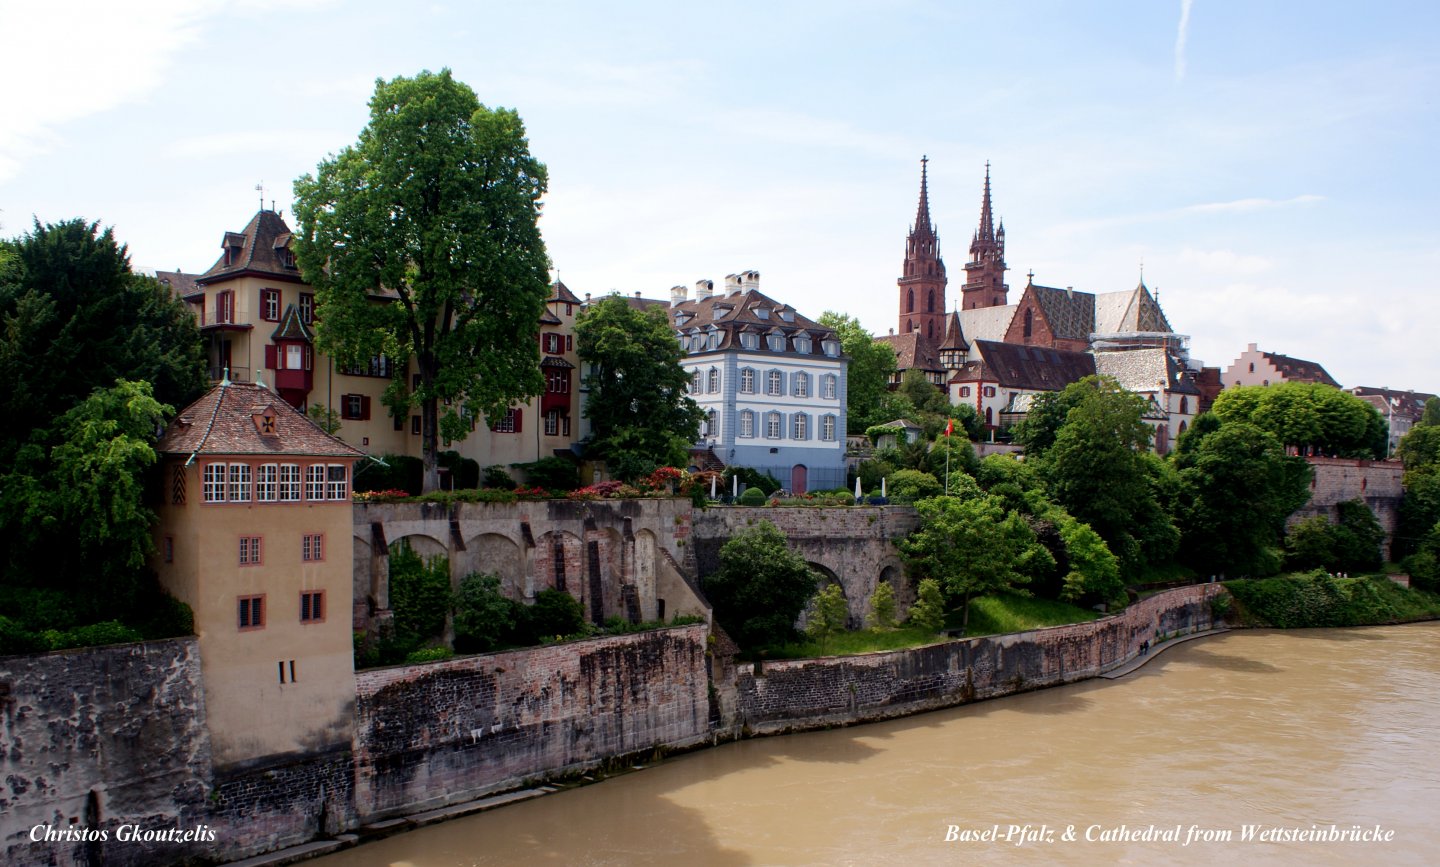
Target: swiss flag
(950, 427)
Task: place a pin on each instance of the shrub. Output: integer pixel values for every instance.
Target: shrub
(760, 588)
(552, 473)
(94, 635)
(907, 486)
(169, 618)
(844, 498)
(496, 477)
(396, 473)
(464, 472)
(753, 478)
(752, 497)
(16, 639)
(829, 615)
(929, 608)
(882, 606)
(556, 613)
(484, 618)
(419, 597)
(428, 654)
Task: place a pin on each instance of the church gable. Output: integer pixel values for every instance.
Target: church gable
(1057, 318)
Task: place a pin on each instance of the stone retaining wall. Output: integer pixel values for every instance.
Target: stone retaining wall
(813, 693)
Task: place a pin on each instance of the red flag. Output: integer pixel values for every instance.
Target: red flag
(950, 427)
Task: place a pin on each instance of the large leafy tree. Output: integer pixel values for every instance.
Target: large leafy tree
(868, 376)
(421, 242)
(74, 318)
(974, 547)
(760, 588)
(640, 414)
(1238, 488)
(1308, 417)
(1096, 467)
(73, 510)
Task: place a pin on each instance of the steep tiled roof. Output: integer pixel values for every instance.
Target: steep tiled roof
(1299, 370)
(1131, 311)
(260, 244)
(986, 323)
(223, 422)
(292, 327)
(1143, 370)
(1071, 314)
(1392, 402)
(954, 334)
(737, 312)
(1034, 368)
(561, 292)
(548, 318)
(913, 350)
(181, 285)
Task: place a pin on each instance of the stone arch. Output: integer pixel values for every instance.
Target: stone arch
(425, 545)
(560, 563)
(493, 554)
(825, 577)
(893, 573)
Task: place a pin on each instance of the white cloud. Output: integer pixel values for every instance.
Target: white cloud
(1253, 204)
(1182, 35)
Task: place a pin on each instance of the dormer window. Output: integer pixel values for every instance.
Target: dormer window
(787, 315)
(776, 342)
(802, 343)
(762, 312)
(712, 339)
(831, 347)
(750, 340)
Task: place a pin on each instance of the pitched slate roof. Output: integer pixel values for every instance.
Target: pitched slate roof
(1393, 402)
(954, 334)
(261, 243)
(1034, 368)
(1144, 370)
(747, 311)
(913, 350)
(986, 323)
(1299, 370)
(222, 422)
(1130, 311)
(561, 292)
(181, 285)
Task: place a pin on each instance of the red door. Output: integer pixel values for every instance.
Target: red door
(797, 479)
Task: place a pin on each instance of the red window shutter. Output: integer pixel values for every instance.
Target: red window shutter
(271, 355)
(518, 416)
(345, 406)
(365, 407)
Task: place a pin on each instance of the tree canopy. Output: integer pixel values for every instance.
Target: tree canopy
(640, 414)
(868, 376)
(421, 241)
(760, 588)
(74, 318)
(1308, 417)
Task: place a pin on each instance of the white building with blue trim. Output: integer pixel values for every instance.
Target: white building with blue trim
(772, 382)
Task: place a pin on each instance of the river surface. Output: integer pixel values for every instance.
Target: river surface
(1271, 729)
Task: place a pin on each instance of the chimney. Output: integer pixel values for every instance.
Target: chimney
(1069, 291)
(637, 293)
(678, 294)
(732, 284)
(704, 289)
(750, 281)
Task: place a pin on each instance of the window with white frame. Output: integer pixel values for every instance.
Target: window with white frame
(829, 386)
(712, 424)
(714, 384)
(747, 380)
(776, 342)
(336, 482)
(695, 383)
(772, 425)
(315, 482)
(249, 550)
(827, 428)
(312, 547)
(747, 423)
(289, 483)
(800, 426)
(712, 340)
(750, 340)
(800, 384)
(831, 347)
(266, 476)
(239, 483)
(802, 343)
(214, 486)
(774, 382)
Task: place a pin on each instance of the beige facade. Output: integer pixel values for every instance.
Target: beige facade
(254, 535)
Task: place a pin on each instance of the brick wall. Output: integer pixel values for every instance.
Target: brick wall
(814, 693)
(442, 733)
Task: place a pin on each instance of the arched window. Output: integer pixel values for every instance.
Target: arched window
(910, 302)
(1184, 427)
(1184, 405)
(930, 302)
(695, 383)
(1029, 323)
(930, 330)
(989, 416)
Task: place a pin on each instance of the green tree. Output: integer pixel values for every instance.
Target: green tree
(882, 606)
(1310, 545)
(73, 513)
(829, 616)
(1097, 469)
(74, 318)
(434, 211)
(419, 597)
(556, 614)
(868, 376)
(1309, 417)
(638, 408)
(1239, 487)
(928, 612)
(1431, 416)
(760, 588)
(1094, 571)
(907, 486)
(974, 547)
(484, 618)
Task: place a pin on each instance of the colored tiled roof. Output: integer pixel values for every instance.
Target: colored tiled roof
(222, 422)
(1145, 370)
(1034, 368)
(181, 285)
(1128, 312)
(1071, 314)
(1299, 370)
(986, 323)
(913, 350)
(548, 318)
(561, 292)
(954, 334)
(747, 311)
(556, 361)
(1393, 402)
(260, 245)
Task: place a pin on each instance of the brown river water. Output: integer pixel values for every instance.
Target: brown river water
(1271, 730)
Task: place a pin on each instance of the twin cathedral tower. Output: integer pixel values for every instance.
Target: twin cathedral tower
(922, 288)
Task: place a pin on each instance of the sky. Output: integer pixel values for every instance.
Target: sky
(1271, 166)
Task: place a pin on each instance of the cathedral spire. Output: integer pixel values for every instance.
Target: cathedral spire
(987, 226)
(923, 226)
